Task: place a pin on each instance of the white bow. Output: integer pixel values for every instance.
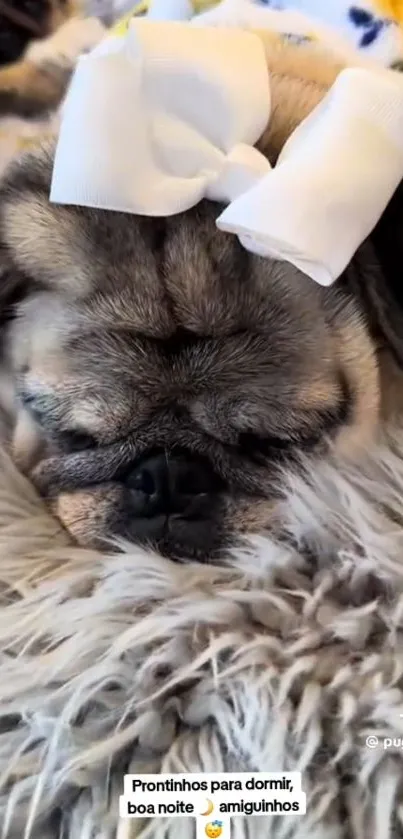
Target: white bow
(162, 118)
(167, 114)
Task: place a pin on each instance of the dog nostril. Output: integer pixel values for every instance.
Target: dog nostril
(191, 481)
(170, 483)
(142, 481)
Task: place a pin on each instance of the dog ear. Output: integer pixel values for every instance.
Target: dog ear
(14, 281)
(79, 253)
(41, 244)
(376, 277)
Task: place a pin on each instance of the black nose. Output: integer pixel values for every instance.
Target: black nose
(163, 483)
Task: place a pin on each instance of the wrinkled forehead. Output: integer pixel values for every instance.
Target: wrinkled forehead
(156, 276)
(150, 275)
(164, 303)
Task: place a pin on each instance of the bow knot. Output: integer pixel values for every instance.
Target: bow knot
(241, 169)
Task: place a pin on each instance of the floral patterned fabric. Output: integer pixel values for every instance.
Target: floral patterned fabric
(375, 27)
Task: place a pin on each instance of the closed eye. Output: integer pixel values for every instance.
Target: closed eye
(280, 448)
(272, 447)
(77, 441)
(314, 428)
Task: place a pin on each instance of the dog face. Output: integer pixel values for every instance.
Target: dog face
(171, 373)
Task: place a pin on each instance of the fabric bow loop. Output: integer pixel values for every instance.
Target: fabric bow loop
(155, 121)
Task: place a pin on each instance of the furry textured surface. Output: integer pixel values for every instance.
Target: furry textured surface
(287, 658)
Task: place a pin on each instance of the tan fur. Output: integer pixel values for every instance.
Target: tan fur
(30, 81)
(34, 85)
(299, 78)
(391, 378)
(358, 358)
(43, 246)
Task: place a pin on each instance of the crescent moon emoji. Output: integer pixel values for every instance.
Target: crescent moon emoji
(210, 808)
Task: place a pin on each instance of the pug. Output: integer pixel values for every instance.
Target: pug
(169, 377)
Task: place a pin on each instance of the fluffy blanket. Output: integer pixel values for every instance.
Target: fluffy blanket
(373, 27)
(289, 657)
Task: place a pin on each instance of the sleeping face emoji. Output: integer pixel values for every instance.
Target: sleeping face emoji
(213, 829)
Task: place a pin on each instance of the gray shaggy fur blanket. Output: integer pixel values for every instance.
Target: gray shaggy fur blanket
(289, 657)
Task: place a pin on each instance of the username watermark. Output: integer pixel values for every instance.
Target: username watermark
(212, 799)
(385, 743)
(375, 741)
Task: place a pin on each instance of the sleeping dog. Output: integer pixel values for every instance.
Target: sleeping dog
(170, 373)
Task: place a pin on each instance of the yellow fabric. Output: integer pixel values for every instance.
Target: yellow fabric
(387, 8)
(142, 7)
(391, 8)
(198, 5)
